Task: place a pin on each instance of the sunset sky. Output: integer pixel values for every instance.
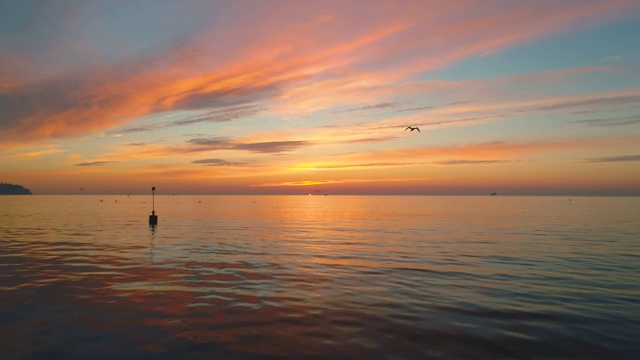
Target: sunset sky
(290, 97)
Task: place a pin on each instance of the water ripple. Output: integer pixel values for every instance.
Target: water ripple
(341, 277)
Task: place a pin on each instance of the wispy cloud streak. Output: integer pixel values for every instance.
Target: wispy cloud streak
(95, 163)
(337, 181)
(271, 147)
(219, 162)
(607, 159)
(278, 64)
(606, 122)
(203, 144)
(470, 162)
(288, 94)
(384, 105)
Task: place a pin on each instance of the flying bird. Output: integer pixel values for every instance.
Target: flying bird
(412, 128)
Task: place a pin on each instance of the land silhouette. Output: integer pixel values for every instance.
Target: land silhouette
(13, 189)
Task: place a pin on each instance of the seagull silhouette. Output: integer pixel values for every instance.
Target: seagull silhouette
(412, 128)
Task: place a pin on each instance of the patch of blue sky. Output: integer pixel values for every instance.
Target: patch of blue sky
(132, 29)
(611, 44)
(14, 19)
(28, 25)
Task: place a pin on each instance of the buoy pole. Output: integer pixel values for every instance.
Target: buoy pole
(153, 218)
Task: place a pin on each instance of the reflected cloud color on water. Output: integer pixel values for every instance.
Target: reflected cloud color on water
(303, 277)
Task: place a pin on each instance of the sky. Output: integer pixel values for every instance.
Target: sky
(297, 97)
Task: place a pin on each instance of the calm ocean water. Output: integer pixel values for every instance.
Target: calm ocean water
(340, 277)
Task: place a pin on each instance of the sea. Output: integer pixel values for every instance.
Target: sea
(319, 277)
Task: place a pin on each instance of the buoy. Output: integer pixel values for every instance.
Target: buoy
(153, 218)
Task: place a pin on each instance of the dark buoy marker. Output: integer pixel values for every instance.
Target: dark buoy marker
(153, 218)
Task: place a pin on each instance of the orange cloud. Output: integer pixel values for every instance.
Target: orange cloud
(37, 153)
(340, 181)
(497, 150)
(303, 65)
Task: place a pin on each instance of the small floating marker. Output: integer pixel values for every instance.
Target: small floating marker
(153, 218)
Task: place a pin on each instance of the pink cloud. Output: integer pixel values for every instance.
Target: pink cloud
(301, 57)
(498, 150)
(337, 181)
